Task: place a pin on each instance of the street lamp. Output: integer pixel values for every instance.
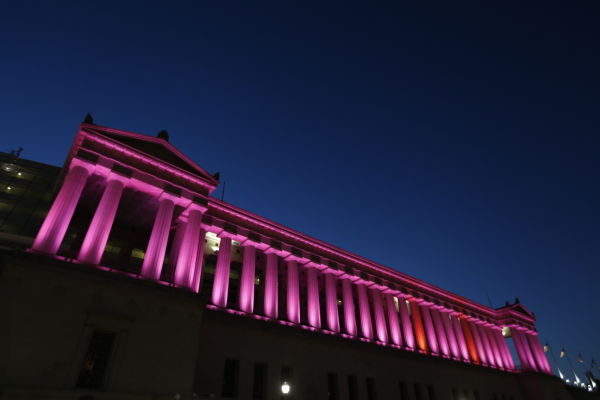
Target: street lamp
(285, 388)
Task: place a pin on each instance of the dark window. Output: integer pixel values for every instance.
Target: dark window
(287, 376)
(455, 394)
(495, 396)
(259, 387)
(403, 390)
(352, 387)
(230, 378)
(431, 392)
(418, 392)
(92, 371)
(371, 392)
(466, 394)
(332, 386)
(476, 395)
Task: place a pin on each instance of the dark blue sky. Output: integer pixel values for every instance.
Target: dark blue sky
(457, 144)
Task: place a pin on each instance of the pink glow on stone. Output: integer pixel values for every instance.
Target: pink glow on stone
(221, 282)
(538, 351)
(489, 351)
(314, 308)
(380, 322)
(394, 323)
(526, 362)
(441, 332)
(55, 225)
(451, 335)
(349, 311)
(429, 329)
(407, 328)
(97, 234)
(478, 343)
(185, 266)
(333, 319)
(157, 245)
(504, 351)
(460, 337)
(176, 244)
(199, 262)
(495, 350)
(246, 296)
(293, 292)
(271, 286)
(527, 350)
(365, 312)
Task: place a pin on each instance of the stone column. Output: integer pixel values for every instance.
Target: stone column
(460, 337)
(246, 296)
(538, 353)
(54, 227)
(417, 320)
(505, 351)
(185, 266)
(394, 323)
(487, 347)
(469, 340)
(478, 343)
(349, 309)
(365, 311)
(333, 319)
(524, 357)
(199, 261)
(451, 335)
(407, 326)
(441, 332)
(97, 234)
(157, 245)
(429, 329)
(271, 299)
(293, 292)
(495, 350)
(220, 289)
(312, 292)
(380, 322)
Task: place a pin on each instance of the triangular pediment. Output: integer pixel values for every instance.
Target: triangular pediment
(155, 147)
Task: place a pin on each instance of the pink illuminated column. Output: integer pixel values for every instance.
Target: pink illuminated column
(407, 327)
(365, 312)
(487, 347)
(246, 297)
(429, 329)
(521, 342)
(271, 305)
(349, 310)
(538, 353)
(185, 266)
(503, 348)
(312, 299)
(55, 225)
(478, 342)
(394, 323)
(97, 234)
(157, 245)
(176, 244)
(199, 262)
(293, 292)
(221, 283)
(333, 319)
(460, 338)
(380, 322)
(495, 350)
(451, 335)
(441, 332)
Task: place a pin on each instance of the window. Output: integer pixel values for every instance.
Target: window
(476, 395)
(403, 390)
(95, 362)
(431, 392)
(332, 386)
(352, 387)
(455, 394)
(259, 387)
(418, 392)
(371, 392)
(230, 378)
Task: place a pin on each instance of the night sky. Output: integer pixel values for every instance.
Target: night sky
(457, 144)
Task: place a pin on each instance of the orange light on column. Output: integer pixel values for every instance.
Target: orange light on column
(470, 341)
(418, 326)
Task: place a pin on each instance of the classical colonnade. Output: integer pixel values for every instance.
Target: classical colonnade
(369, 311)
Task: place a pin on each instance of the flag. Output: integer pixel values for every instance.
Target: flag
(563, 353)
(580, 358)
(546, 347)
